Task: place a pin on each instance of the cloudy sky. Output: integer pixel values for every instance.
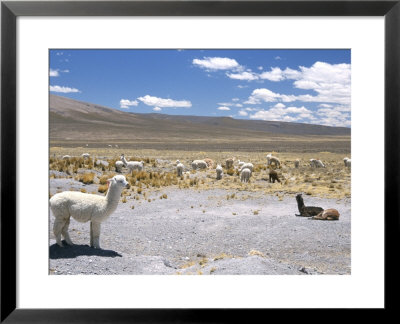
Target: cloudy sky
(305, 86)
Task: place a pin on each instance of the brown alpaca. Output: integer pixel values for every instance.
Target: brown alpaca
(229, 163)
(210, 163)
(328, 214)
(273, 176)
(306, 211)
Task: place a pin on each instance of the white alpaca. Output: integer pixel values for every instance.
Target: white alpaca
(312, 163)
(179, 169)
(247, 166)
(345, 160)
(318, 164)
(348, 163)
(118, 166)
(297, 163)
(85, 207)
(66, 157)
(132, 165)
(273, 159)
(86, 155)
(245, 175)
(229, 163)
(219, 171)
(240, 164)
(199, 164)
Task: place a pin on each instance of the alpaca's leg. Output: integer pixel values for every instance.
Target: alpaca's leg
(65, 233)
(57, 229)
(95, 235)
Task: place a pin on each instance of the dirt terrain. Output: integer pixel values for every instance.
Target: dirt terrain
(210, 227)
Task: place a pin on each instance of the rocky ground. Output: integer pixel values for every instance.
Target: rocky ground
(203, 232)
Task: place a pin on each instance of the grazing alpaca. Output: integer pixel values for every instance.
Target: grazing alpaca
(219, 171)
(297, 163)
(245, 175)
(273, 176)
(229, 163)
(328, 214)
(273, 159)
(210, 163)
(306, 211)
(179, 169)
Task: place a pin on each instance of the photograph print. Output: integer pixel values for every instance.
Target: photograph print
(200, 161)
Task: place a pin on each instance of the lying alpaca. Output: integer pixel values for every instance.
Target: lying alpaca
(328, 214)
(273, 176)
(306, 211)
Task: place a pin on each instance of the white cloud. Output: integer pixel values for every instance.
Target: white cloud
(160, 102)
(54, 73)
(331, 82)
(260, 68)
(223, 108)
(242, 86)
(278, 58)
(235, 99)
(276, 74)
(243, 113)
(325, 106)
(259, 95)
(126, 103)
(248, 76)
(216, 63)
(157, 109)
(280, 113)
(63, 89)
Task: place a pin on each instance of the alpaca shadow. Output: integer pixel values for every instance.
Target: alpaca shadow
(70, 252)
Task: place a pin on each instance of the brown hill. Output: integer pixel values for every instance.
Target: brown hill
(74, 122)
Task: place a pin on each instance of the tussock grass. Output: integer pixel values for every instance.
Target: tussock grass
(86, 178)
(334, 181)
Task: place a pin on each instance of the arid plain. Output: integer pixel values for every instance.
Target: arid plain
(194, 223)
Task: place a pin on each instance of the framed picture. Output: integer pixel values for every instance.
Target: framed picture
(328, 94)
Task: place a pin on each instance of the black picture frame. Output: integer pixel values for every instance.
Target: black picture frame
(10, 10)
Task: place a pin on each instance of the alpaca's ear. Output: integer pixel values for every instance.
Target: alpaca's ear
(109, 181)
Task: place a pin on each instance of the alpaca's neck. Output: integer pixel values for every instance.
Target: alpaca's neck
(124, 160)
(300, 203)
(112, 197)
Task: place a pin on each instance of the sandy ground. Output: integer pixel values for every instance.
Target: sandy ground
(203, 232)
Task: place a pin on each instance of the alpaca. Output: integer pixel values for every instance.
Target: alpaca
(306, 211)
(210, 163)
(245, 175)
(273, 176)
(297, 163)
(219, 171)
(229, 163)
(132, 165)
(179, 169)
(327, 214)
(85, 207)
(273, 159)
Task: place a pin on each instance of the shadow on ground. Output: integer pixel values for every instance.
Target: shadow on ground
(69, 252)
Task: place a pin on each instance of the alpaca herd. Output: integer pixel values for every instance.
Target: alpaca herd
(95, 209)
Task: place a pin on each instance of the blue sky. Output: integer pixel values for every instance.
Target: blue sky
(306, 86)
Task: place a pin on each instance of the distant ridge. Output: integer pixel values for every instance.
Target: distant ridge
(73, 121)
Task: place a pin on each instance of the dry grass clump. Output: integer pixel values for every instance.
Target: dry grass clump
(102, 188)
(255, 252)
(86, 178)
(222, 256)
